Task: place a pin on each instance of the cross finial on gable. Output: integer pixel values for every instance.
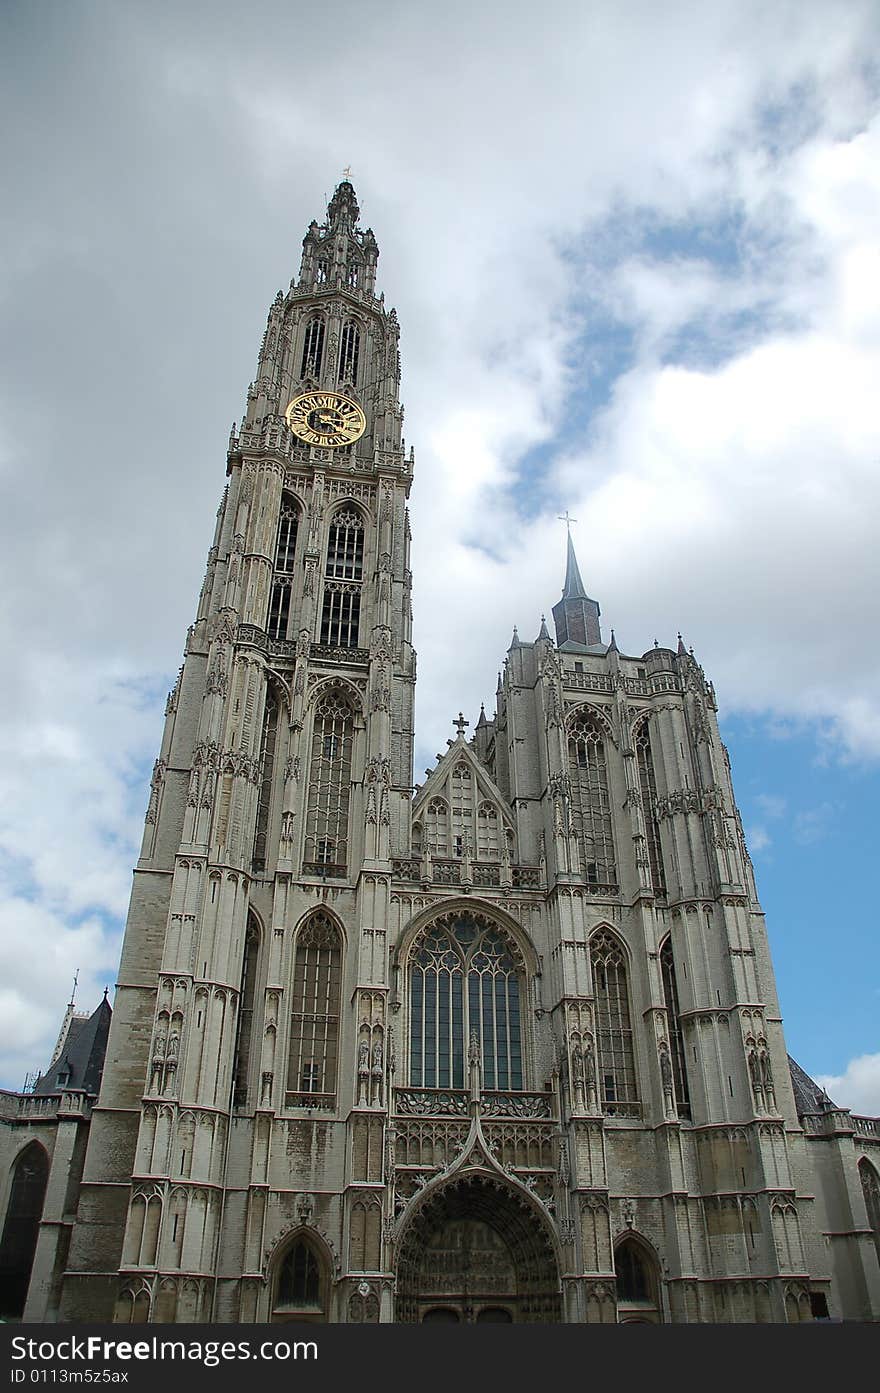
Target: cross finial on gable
(460, 723)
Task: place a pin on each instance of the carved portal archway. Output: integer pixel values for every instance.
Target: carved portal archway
(477, 1251)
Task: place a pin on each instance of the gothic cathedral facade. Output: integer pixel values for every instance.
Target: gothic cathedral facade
(505, 1047)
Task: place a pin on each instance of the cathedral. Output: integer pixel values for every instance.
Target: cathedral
(502, 1047)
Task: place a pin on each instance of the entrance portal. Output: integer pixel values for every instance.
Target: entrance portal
(477, 1252)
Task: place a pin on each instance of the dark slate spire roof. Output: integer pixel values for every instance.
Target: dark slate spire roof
(81, 1061)
(576, 616)
(574, 586)
(808, 1096)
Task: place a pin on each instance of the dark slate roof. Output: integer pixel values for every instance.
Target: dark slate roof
(574, 586)
(808, 1096)
(81, 1061)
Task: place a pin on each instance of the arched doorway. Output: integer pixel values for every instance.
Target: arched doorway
(476, 1252)
(22, 1226)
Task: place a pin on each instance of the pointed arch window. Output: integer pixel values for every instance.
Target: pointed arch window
(314, 1014)
(321, 271)
(462, 809)
(349, 351)
(282, 576)
(648, 788)
(437, 827)
(301, 1288)
(617, 1074)
(21, 1228)
(637, 1279)
(340, 616)
(267, 770)
(676, 1038)
(326, 846)
(353, 274)
(465, 976)
(247, 999)
(591, 803)
(488, 845)
(871, 1191)
(313, 348)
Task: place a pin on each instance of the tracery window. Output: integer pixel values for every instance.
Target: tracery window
(314, 1014)
(340, 616)
(617, 1075)
(267, 769)
(326, 845)
(636, 1272)
(676, 1039)
(349, 350)
(301, 1290)
(313, 348)
(465, 976)
(282, 576)
(871, 1191)
(648, 787)
(353, 274)
(591, 804)
(321, 272)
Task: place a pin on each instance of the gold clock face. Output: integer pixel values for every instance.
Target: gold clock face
(326, 419)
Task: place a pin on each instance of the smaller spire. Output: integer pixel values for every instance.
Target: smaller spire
(575, 615)
(574, 586)
(612, 647)
(514, 642)
(499, 686)
(542, 632)
(482, 721)
(682, 651)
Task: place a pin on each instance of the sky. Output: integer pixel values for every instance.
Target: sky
(634, 252)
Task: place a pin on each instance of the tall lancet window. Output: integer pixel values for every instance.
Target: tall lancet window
(465, 975)
(462, 790)
(591, 804)
(488, 848)
(617, 1073)
(313, 348)
(314, 1014)
(676, 1039)
(247, 1000)
(267, 770)
(648, 787)
(326, 847)
(282, 575)
(348, 352)
(341, 613)
(871, 1191)
(437, 827)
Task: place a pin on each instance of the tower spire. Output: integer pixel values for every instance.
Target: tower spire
(574, 586)
(576, 616)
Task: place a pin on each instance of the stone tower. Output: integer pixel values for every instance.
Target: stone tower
(508, 1050)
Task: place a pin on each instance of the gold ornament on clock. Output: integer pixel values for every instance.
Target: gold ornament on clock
(326, 419)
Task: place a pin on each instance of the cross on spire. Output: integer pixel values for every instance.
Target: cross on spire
(460, 723)
(568, 520)
(346, 173)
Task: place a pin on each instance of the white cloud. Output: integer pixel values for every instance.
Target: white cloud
(858, 1087)
(758, 839)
